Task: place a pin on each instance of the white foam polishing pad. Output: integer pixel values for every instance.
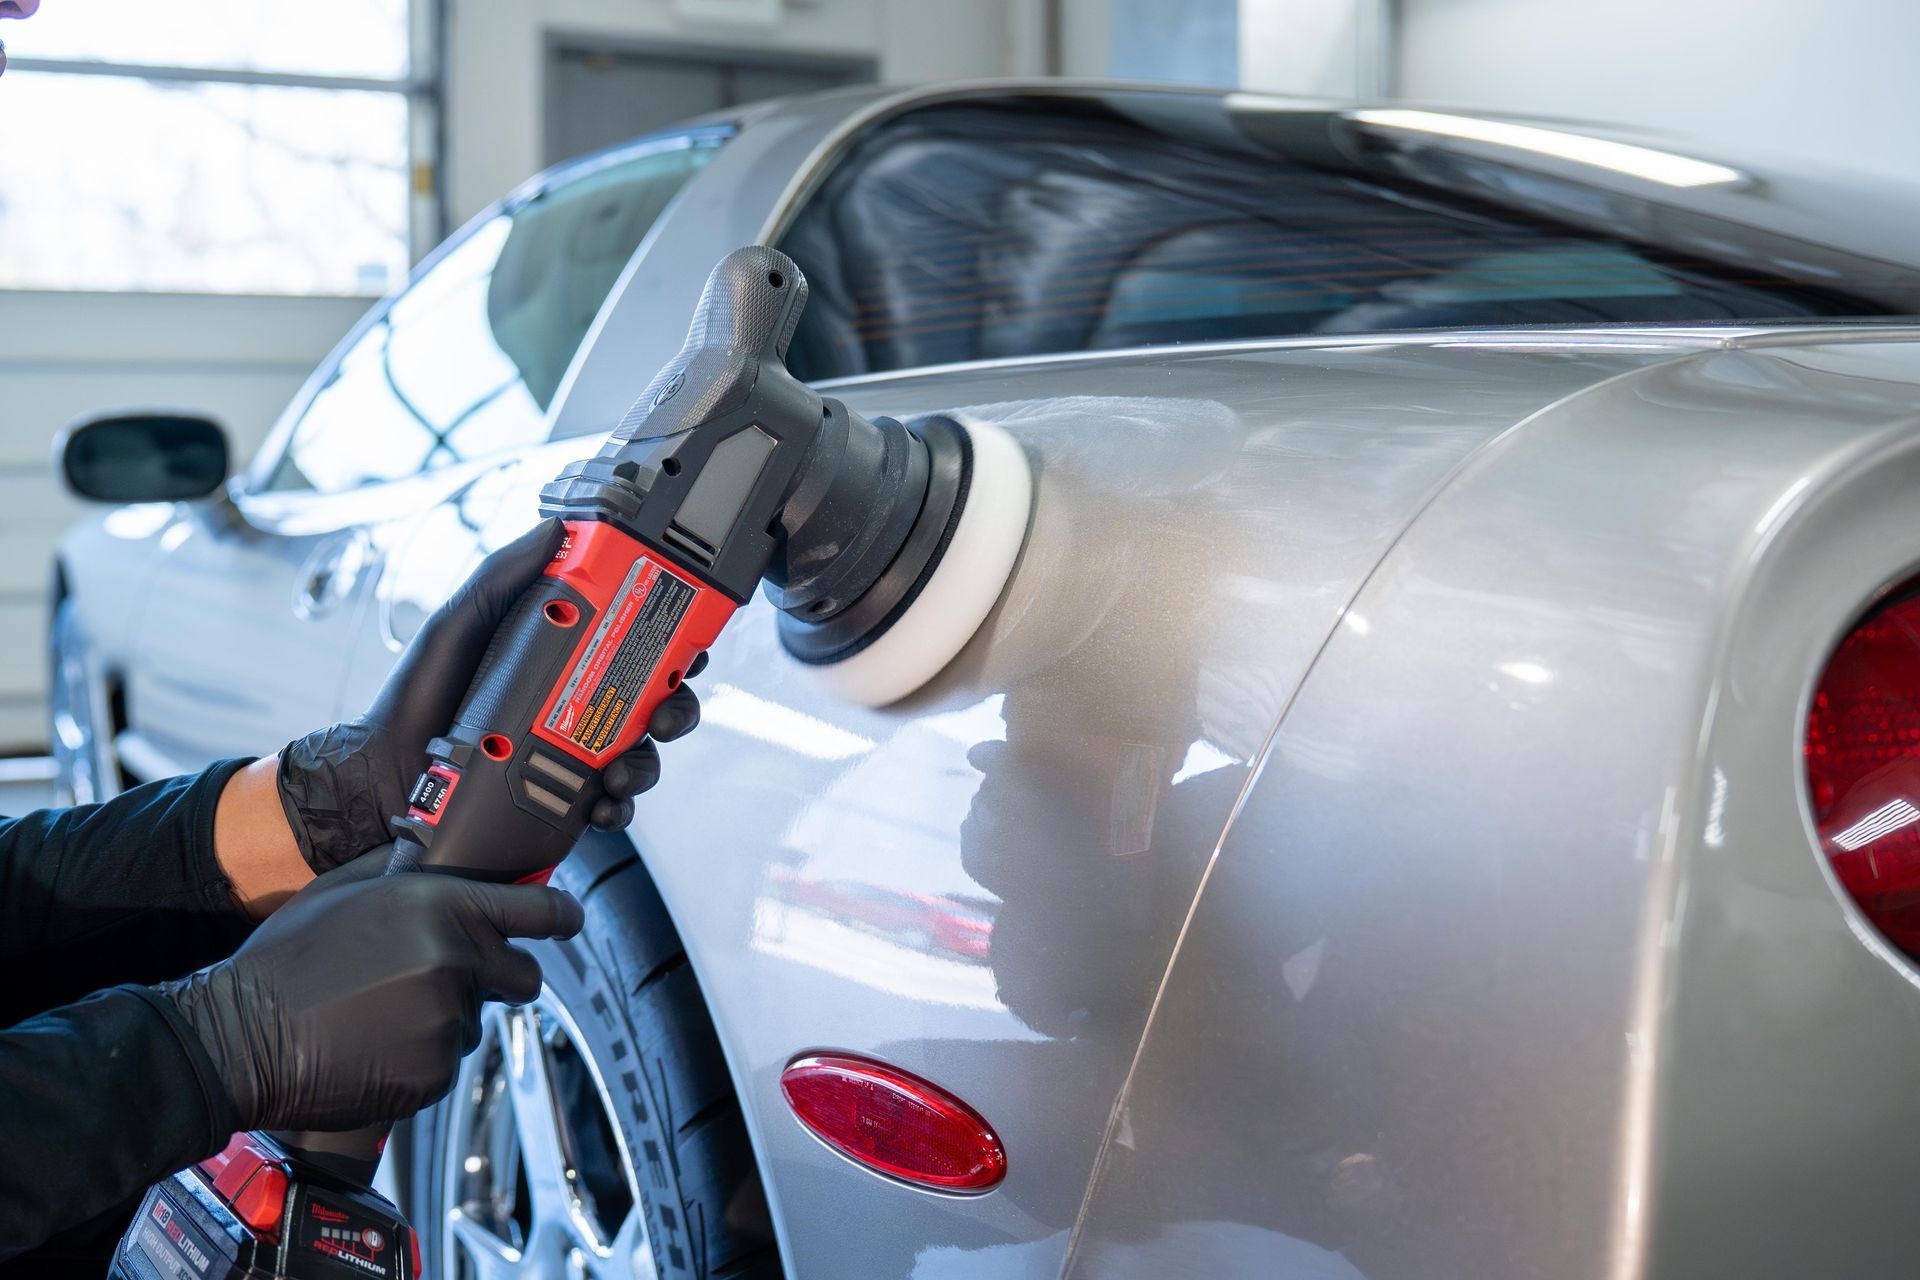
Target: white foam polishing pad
(963, 587)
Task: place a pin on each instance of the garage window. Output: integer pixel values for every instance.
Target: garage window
(223, 146)
(465, 363)
(986, 231)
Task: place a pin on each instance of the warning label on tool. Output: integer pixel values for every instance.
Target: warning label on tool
(608, 678)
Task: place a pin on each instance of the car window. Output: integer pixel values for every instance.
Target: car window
(466, 361)
(1038, 226)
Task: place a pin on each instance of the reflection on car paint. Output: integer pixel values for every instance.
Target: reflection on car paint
(727, 706)
(141, 520)
(936, 924)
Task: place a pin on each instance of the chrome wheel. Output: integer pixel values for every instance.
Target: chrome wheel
(84, 768)
(536, 1176)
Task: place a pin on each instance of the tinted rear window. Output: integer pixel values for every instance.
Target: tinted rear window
(975, 232)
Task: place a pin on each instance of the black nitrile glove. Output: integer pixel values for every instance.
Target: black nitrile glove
(354, 1003)
(341, 785)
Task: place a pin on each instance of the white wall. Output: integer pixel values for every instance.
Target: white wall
(1317, 48)
(1830, 80)
(65, 354)
(1192, 42)
(1086, 37)
(496, 51)
(1314, 48)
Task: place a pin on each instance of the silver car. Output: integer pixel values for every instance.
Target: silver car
(1438, 796)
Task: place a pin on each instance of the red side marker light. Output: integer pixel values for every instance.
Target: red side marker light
(894, 1123)
(1862, 753)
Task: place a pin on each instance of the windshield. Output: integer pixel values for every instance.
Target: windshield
(466, 361)
(1028, 227)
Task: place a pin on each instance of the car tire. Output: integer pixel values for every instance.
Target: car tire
(633, 1007)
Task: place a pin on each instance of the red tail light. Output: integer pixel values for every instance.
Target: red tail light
(895, 1123)
(1863, 768)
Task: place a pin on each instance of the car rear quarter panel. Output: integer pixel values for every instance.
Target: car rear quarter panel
(1519, 960)
(1202, 521)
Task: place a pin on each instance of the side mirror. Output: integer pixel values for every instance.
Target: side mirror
(155, 456)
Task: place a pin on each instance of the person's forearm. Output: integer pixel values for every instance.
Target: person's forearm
(253, 842)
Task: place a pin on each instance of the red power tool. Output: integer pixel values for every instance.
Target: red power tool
(726, 472)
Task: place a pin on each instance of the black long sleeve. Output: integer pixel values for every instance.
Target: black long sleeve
(101, 894)
(102, 1097)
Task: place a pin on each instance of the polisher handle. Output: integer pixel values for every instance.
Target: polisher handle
(568, 684)
(743, 322)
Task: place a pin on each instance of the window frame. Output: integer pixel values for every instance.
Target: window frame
(1855, 243)
(267, 508)
(423, 89)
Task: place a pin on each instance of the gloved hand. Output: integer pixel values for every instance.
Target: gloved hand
(355, 1002)
(341, 785)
